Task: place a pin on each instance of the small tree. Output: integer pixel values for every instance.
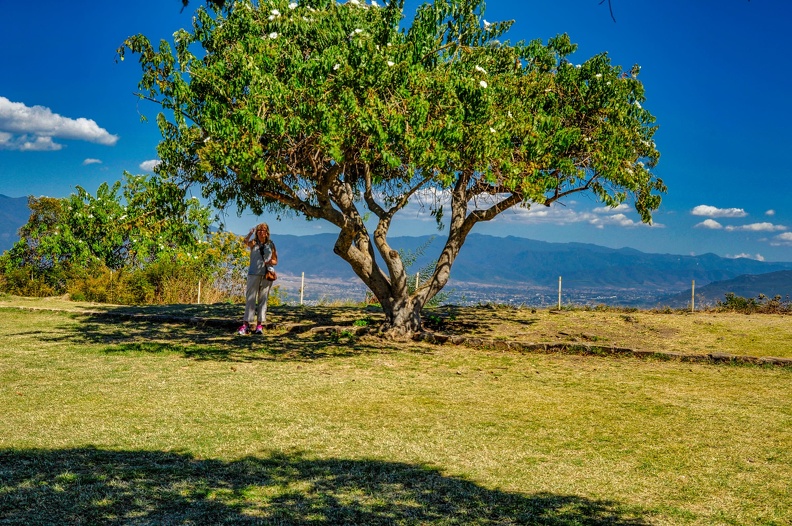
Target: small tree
(332, 111)
(122, 227)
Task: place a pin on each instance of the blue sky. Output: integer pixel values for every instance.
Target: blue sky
(717, 77)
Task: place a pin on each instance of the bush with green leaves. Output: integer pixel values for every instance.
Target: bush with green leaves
(143, 241)
(760, 304)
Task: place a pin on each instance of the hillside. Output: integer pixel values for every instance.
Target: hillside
(14, 213)
(511, 268)
(747, 285)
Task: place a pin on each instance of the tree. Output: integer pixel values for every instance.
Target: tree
(122, 227)
(331, 111)
(146, 219)
(220, 3)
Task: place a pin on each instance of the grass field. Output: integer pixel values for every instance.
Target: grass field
(109, 420)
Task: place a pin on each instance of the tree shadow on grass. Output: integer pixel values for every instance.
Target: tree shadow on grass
(229, 316)
(298, 333)
(456, 320)
(198, 341)
(94, 486)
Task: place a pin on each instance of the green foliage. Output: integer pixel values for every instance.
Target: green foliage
(120, 227)
(348, 81)
(363, 322)
(424, 274)
(434, 321)
(34, 252)
(140, 242)
(277, 296)
(737, 303)
(25, 282)
(760, 304)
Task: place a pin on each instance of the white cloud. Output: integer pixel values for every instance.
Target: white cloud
(557, 214)
(770, 212)
(757, 257)
(32, 128)
(709, 223)
(711, 211)
(91, 161)
(615, 220)
(538, 214)
(782, 239)
(608, 210)
(149, 166)
(27, 143)
(756, 227)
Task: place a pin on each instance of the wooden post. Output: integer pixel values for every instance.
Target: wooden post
(302, 287)
(693, 296)
(417, 280)
(559, 292)
(199, 292)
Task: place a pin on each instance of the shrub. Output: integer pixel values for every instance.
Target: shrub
(25, 282)
(277, 297)
(760, 304)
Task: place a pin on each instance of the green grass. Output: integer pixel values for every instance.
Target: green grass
(107, 421)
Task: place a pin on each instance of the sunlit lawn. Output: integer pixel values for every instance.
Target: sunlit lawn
(117, 421)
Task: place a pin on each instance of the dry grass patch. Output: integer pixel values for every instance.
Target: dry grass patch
(680, 332)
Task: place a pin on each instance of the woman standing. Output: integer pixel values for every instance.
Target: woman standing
(263, 258)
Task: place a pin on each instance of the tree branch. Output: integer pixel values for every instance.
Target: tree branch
(610, 7)
(558, 195)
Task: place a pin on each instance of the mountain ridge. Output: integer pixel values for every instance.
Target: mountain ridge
(14, 213)
(513, 263)
(504, 266)
(770, 284)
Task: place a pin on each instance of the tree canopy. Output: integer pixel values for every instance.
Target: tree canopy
(336, 112)
(121, 226)
(145, 225)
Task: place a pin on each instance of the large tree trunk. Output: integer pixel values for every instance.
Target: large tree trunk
(402, 311)
(389, 285)
(402, 318)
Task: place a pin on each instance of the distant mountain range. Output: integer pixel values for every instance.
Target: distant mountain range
(747, 285)
(499, 266)
(14, 213)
